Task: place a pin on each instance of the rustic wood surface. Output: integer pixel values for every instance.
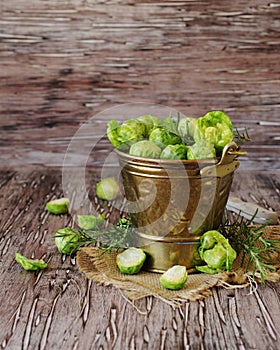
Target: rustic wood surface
(62, 64)
(60, 309)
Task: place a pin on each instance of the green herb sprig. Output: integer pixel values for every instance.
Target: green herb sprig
(251, 244)
(119, 236)
(242, 137)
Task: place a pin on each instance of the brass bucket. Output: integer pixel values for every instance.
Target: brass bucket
(172, 203)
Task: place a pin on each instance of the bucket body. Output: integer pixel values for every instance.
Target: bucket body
(172, 203)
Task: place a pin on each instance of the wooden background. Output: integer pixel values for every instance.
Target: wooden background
(64, 62)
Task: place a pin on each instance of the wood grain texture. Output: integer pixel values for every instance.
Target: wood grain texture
(64, 62)
(60, 308)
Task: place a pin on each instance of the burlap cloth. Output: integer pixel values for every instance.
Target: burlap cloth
(102, 269)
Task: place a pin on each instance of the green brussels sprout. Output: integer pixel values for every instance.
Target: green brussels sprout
(113, 133)
(58, 206)
(186, 129)
(131, 131)
(162, 138)
(107, 189)
(145, 148)
(174, 152)
(150, 123)
(30, 264)
(216, 252)
(89, 222)
(65, 240)
(131, 260)
(215, 127)
(124, 135)
(202, 149)
(174, 278)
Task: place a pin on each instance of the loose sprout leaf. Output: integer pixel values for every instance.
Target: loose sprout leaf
(216, 252)
(30, 264)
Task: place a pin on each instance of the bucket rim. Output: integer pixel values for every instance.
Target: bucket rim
(165, 162)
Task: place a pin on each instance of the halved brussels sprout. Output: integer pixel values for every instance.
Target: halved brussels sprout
(58, 206)
(174, 278)
(107, 189)
(131, 260)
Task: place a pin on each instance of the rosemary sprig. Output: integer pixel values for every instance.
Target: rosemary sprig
(242, 137)
(115, 237)
(250, 243)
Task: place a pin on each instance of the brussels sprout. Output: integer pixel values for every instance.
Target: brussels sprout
(201, 149)
(174, 278)
(88, 222)
(107, 189)
(113, 133)
(215, 127)
(30, 264)
(163, 138)
(174, 152)
(145, 148)
(124, 135)
(186, 129)
(150, 123)
(58, 206)
(216, 252)
(131, 260)
(131, 131)
(65, 239)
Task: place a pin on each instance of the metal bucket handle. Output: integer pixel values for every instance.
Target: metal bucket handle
(227, 164)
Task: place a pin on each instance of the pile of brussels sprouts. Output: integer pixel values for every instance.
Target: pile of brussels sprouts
(166, 138)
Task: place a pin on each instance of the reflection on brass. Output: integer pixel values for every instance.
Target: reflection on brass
(175, 202)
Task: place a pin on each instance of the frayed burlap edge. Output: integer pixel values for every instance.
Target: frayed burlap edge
(102, 269)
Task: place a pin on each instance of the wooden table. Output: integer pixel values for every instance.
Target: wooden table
(64, 63)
